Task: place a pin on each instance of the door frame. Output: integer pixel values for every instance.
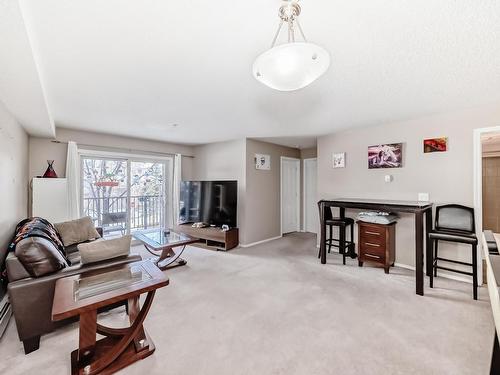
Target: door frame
(283, 158)
(304, 226)
(478, 188)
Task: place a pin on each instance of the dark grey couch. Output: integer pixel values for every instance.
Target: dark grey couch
(31, 298)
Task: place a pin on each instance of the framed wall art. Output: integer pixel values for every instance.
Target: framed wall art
(338, 160)
(385, 156)
(263, 162)
(435, 145)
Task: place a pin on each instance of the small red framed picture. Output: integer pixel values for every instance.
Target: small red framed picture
(435, 145)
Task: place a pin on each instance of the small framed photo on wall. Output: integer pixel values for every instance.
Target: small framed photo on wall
(385, 156)
(262, 162)
(435, 145)
(339, 160)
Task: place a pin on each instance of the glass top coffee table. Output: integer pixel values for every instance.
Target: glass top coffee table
(166, 245)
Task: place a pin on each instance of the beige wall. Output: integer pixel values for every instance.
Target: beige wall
(42, 149)
(258, 190)
(262, 215)
(14, 180)
(447, 177)
(309, 153)
(223, 161)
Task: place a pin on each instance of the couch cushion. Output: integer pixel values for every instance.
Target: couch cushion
(104, 249)
(76, 231)
(39, 256)
(74, 258)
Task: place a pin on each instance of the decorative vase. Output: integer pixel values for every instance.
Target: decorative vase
(50, 172)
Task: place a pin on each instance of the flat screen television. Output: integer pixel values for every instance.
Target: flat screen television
(210, 202)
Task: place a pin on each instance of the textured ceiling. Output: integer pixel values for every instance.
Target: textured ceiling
(137, 67)
(21, 90)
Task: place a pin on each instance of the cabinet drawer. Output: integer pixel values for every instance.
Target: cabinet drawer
(370, 237)
(372, 230)
(373, 248)
(372, 257)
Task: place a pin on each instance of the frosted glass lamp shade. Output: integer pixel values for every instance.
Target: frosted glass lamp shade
(291, 66)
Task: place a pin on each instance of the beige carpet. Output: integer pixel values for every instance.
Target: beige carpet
(273, 309)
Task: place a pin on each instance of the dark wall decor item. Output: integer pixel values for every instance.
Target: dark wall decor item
(50, 172)
(385, 156)
(435, 145)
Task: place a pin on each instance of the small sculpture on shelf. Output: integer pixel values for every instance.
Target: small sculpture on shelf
(50, 172)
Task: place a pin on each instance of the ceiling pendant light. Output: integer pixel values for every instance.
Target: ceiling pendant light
(292, 65)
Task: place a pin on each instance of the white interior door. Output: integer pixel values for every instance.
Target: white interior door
(290, 195)
(311, 219)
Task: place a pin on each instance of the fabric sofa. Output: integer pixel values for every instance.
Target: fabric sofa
(31, 297)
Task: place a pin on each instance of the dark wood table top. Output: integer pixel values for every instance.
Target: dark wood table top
(93, 290)
(159, 238)
(380, 204)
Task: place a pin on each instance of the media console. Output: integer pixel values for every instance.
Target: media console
(212, 236)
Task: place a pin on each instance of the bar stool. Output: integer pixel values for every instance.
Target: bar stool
(454, 223)
(341, 243)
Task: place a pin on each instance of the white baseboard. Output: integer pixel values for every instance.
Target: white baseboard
(401, 265)
(259, 242)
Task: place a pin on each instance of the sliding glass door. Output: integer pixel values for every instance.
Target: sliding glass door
(125, 195)
(147, 195)
(105, 194)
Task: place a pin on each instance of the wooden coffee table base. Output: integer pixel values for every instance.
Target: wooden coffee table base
(121, 346)
(168, 258)
(129, 356)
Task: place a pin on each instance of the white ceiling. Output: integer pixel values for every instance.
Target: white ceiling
(301, 142)
(137, 67)
(21, 89)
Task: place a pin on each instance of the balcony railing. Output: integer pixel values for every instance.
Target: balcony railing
(112, 214)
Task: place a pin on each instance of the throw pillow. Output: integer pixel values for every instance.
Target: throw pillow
(39, 256)
(76, 231)
(97, 251)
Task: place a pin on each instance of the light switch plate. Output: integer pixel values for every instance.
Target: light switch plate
(388, 178)
(423, 197)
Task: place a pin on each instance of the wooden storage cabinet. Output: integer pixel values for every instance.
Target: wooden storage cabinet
(212, 236)
(377, 243)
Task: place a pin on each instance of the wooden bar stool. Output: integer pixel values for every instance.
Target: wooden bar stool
(454, 223)
(345, 247)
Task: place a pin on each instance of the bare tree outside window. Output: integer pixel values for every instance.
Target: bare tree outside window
(105, 194)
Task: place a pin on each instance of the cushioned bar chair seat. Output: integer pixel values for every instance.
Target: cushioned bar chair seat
(340, 221)
(454, 237)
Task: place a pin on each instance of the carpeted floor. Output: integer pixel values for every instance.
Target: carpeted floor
(273, 309)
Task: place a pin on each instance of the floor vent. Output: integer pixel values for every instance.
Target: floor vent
(5, 313)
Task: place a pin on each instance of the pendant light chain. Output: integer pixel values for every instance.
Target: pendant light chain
(290, 14)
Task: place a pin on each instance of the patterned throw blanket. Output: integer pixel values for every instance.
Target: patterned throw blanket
(33, 227)
(37, 227)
